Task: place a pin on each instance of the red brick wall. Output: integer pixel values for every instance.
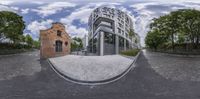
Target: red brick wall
(48, 38)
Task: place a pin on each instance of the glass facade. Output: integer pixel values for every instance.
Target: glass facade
(127, 45)
(109, 43)
(121, 44)
(95, 44)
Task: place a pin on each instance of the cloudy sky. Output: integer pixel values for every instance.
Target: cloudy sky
(39, 14)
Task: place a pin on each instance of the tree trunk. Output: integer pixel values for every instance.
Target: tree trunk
(172, 36)
(193, 42)
(197, 42)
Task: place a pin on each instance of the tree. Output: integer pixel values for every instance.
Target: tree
(29, 40)
(181, 38)
(11, 26)
(168, 24)
(36, 44)
(190, 22)
(178, 26)
(76, 44)
(80, 43)
(131, 33)
(154, 39)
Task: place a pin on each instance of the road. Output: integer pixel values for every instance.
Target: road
(146, 81)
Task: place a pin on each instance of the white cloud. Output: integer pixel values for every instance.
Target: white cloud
(25, 11)
(38, 2)
(10, 2)
(15, 8)
(36, 26)
(143, 19)
(75, 32)
(177, 1)
(6, 2)
(52, 8)
(6, 8)
(81, 14)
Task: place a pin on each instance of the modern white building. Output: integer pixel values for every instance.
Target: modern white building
(85, 42)
(109, 31)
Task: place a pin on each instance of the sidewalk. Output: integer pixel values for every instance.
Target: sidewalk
(91, 68)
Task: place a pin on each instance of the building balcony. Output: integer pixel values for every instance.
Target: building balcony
(105, 24)
(105, 29)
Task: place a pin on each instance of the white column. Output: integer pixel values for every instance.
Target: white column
(101, 43)
(116, 44)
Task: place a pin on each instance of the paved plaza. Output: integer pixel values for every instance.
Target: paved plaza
(91, 68)
(146, 81)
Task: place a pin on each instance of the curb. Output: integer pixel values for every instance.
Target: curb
(94, 82)
(16, 53)
(178, 55)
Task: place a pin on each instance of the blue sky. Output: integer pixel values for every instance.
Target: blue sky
(39, 14)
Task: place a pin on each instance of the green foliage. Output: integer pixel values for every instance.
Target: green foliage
(76, 44)
(131, 33)
(181, 38)
(11, 51)
(29, 40)
(155, 38)
(11, 26)
(132, 52)
(178, 27)
(36, 44)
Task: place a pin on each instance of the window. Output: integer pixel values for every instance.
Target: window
(58, 46)
(127, 35)
(121, 42)
(120, 25)
(66, 43)
(109, 38)
(59, 33)
(127, 44)
(95, 44)
(122, 32)
(119, 30)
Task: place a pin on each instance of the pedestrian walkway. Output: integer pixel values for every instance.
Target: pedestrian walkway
(91, 68)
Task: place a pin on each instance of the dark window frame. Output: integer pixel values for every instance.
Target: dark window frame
(59, 33)
(58, 47)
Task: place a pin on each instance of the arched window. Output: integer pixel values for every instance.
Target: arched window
(58, 46)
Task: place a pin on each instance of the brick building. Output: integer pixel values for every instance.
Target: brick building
(55, 41)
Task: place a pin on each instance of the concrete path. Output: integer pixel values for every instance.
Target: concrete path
(91, 68)
(15, 65)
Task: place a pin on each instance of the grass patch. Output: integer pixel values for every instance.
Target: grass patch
(9, 48)
(132, 52)
(13, 51)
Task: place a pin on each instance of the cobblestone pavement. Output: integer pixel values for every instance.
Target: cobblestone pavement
(180, 68)
(143, 82)
(91, 68)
